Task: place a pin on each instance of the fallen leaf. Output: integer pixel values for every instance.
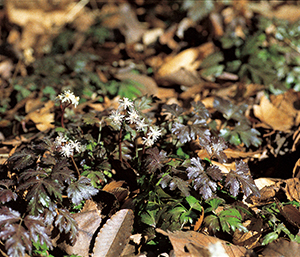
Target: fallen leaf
(281, 248)
(180, 241)
(184, 64)
(42, 117)
(272, 116)
(149, 85)
(114, 235)
(292, 189)
(88, 220)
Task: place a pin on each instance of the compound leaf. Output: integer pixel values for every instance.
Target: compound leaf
(67, 224)
(202, 181)
(241, 176)
(186, 133)
(155, 159)
(80, 190)
(6, 194)
(229, 110)
(174, 109)
(22, 159)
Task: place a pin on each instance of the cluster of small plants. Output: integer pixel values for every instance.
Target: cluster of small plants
(268, 56)
(43, 182)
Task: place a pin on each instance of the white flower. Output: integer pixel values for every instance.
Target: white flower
(217, 250)
(154, 133)
(140, 124)
(116, 117)
(67, 150)
(60, 139)
(133, 117)
(148, 141)
(125, 103)
(68, 96)
(75, 145)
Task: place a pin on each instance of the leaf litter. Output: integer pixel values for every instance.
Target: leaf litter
(207, 145)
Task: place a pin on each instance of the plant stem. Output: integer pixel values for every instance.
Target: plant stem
(75, 166)
(62, 115)
(120, 144)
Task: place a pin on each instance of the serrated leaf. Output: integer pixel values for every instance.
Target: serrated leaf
(80, 190)
(40, 187)
(174, 109)
(187, 133)
(230, 111)
(62, 173)
(67, 224)
(212, 222)
(218, 146)
(37, 230)
(17, 238)
(201, 180)
(155, 160)
(22, 159)
(230, 219)
(6, 194)
(241, 176)
(113, 237)
(194, 203)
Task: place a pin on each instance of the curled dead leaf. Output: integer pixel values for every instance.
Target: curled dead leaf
(272, 116)
(43, 117)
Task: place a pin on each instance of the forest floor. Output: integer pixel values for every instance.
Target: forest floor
(149, 128)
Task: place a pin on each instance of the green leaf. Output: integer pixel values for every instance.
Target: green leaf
(270, 238)
(194, 203)
(148, 218)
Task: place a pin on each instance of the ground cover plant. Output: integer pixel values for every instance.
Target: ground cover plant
(133, 129)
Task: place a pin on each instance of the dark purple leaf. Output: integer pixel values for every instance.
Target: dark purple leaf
(186, 133)
(231, 111)
(37, 230)
(201, 180)
(67, 224)
(62, 173)
(155, 160)
(6, 194)
(80, 190)
(174, 109)
(241, 176)
(200, 112)
(23, 159)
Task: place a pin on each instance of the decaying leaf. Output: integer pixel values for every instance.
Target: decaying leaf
(282, 248)
(43, 118)
(88, 220)
(180, 241)
(114, 235)
(272, 116)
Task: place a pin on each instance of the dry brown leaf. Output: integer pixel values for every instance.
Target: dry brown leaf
(180, 240)
(285, 12)
(199, 221)
(42, 117)
(292, 189)
(33, 104)
(272, 116)
(281, 248)
(149, 85)
(187, 60)
(41, 19)
(114, 235)
(249, 239)
(88, 220)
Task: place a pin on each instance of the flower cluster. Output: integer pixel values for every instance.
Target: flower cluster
(126, 112)
(69, 97)
(66, 147)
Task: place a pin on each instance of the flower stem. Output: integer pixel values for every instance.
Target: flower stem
(75, 166)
